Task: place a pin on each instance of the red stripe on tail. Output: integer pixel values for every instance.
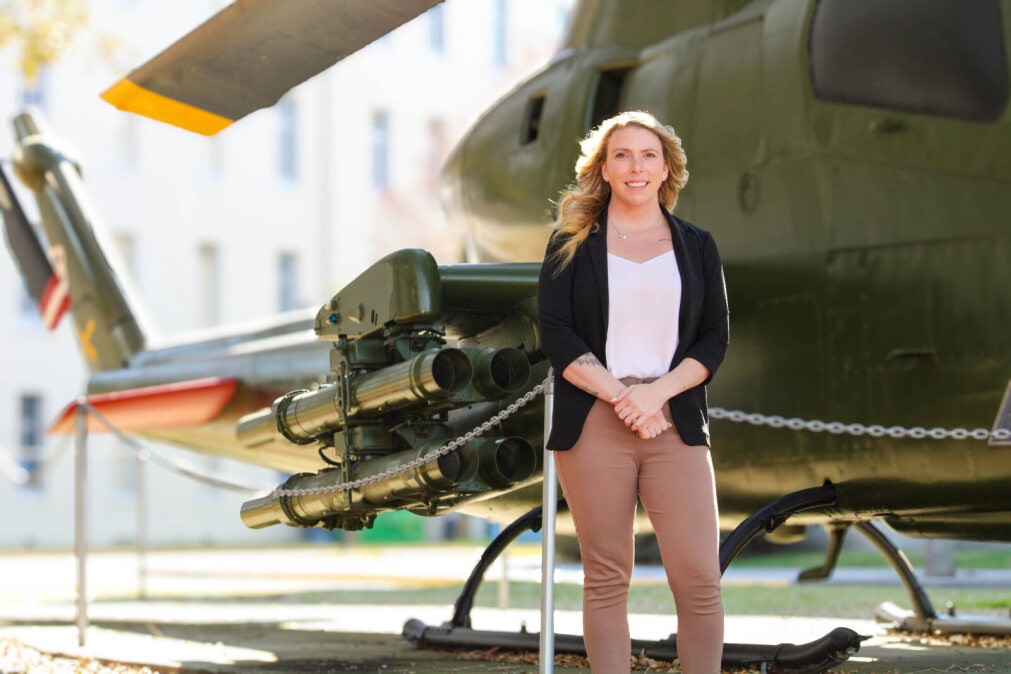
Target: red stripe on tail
(55, 302)
(187, 403)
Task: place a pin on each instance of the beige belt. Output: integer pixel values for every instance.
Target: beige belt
(628, 381)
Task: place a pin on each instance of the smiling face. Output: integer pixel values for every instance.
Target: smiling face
(634, 166)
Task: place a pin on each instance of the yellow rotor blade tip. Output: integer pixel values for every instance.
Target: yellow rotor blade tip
(125, 95)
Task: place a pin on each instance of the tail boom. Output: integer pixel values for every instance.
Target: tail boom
(80, 275)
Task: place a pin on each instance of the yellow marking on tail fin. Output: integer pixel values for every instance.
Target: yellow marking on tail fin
(85, 335)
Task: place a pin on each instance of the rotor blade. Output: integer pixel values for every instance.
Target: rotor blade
(251, 53)
(43, 284)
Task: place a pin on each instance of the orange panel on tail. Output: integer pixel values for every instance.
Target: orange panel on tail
(187, 403)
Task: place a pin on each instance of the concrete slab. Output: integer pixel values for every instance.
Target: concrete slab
(198, 639)
(234, 632)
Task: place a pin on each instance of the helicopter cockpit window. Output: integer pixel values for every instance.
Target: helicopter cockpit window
(939, 57)
(607, 95)
(532, 123)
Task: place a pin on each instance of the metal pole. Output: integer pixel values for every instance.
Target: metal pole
(141, 458)
(503, 586)
(549, 506)
(80, 517)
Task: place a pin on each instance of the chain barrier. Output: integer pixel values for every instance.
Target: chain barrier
(481, 429)
(13, 471)
(20, 476)
(735, 416)
(875, 431)
(145, 454)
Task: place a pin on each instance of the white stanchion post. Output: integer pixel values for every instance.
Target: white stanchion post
(141, 525)
(503, 586)
(80, 518)
(548, 507)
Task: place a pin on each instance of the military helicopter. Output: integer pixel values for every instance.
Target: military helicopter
(850, 157)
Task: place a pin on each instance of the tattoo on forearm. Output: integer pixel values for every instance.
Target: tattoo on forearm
(590, 391)
(587, 359)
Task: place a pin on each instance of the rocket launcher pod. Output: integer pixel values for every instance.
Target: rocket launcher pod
(302, 416)
(410, 488)
(505, 461)
(499, 372)
(437, 379)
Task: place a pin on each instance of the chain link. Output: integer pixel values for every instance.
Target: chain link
(736, 416)
(19, 476)
(755, 419)
(145, 454)
(876, 431)
(479, 430)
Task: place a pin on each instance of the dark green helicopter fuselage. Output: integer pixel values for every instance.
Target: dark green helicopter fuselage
(863, 213)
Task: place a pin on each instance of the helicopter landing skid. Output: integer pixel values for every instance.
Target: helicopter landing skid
(923, 617)
(815, 656)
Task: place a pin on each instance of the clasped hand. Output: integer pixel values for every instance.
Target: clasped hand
(640, 407)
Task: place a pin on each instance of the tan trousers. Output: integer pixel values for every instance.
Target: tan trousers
(602, 476)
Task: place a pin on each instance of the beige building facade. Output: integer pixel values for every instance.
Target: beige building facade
(273, 214)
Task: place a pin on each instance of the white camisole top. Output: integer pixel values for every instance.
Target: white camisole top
(644, 300)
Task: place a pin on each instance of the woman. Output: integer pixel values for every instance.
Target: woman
(633, 316)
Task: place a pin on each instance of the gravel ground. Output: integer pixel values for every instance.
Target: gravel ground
(17, 658)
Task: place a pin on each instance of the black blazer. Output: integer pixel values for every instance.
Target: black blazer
(572, 312)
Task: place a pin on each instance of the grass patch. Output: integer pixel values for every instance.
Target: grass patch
(967, 558)
(811, 600)
(816, 600)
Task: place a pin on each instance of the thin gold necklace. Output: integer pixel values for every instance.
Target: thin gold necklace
(623, 236)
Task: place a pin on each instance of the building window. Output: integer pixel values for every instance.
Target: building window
(129, 142)
(288, 111)
(126, 266)
(213, 467)
(500, 34)
(287, 282)
(126, 467)
(562, 20)
(29, 317)
(34, 91)
(126, 246)
(208, 288)
(437, 146)
(30, 437)
(214, 155)
(437, 29)
(380, 150)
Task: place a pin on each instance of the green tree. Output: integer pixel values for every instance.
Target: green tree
(42, 30)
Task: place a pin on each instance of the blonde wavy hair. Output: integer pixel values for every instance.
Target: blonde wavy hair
(581, 204)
